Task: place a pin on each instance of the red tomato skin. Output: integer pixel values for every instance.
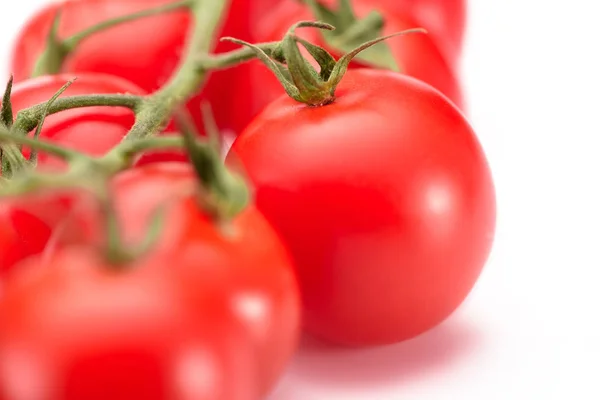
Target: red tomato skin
(445, 20)
(417, 55)
(246, 263)
(92, 130)
(384, 199)
(77, 329)
(17, 243)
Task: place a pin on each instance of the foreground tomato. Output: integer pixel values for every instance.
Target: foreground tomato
(417, 55)
(132, 50)
(244, 263)
(79, 328)
(384, 198)
(92, 130)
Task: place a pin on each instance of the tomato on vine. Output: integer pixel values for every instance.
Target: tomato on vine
(27, 223)
(382, 192)
(444, 19)
(243, 262)
(79, 327)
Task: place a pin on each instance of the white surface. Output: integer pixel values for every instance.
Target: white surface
(530, 329)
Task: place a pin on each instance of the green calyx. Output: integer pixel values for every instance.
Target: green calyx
(222, 192)
(299, 78)
(352, 31)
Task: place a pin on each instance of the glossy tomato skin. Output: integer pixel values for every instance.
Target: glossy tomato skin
(92, 130)
(78, 328)
(133, 50)
(243, 263)
(385, 200)
(417, 55)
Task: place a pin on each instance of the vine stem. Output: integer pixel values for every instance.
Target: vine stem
(207, 17)
(41, 145)
(28, 119)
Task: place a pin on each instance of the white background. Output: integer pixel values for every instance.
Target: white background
(530, 329)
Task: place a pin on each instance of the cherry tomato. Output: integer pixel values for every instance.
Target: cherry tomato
(244, 262)
(77, 327)
(26, 224)
(92, 130)
(384, 198)
(416, 54)
(444, 19)
(131, 50)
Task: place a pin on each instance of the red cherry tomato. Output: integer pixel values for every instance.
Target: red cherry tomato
(384, 198)
(131, 50)
(27, 223)
(416, 54)
(77, 327)
(245, 262)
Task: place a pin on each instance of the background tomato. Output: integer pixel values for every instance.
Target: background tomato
(78, 328)
(417, 55)
(28, 222)
(444, 19)
(384, 198)
(244, 263)
(131, 50)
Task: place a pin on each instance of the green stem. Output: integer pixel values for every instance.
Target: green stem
(28, 119)
(12, 158)
(157, 111)
(235, 57)
(41, 145)
(72, 42)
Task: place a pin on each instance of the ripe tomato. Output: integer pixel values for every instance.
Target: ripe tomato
(384, 198)
(416, 54)
(444, 19)
(92, 130)
(27, 223)
(245, 264)
(77, 328)
(148, 62)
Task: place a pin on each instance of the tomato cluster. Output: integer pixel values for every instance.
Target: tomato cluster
(371, 212)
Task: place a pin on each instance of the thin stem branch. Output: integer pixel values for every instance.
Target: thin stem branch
(72, 42)
(29, 118)
(41, 145)
(234, 57)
